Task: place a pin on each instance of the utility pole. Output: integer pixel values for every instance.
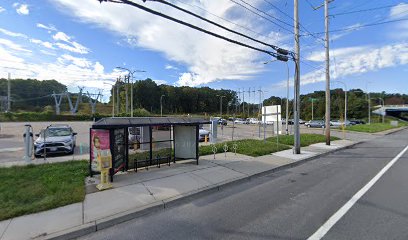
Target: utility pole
(161, 105)
(249, 99)
(117, 95)
(326, 23)
(296, 108)
(8, 94)
(126, 92)
(243, 101)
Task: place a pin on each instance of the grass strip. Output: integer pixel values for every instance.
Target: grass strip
(305, 139)
(374, 127)
(34, 188)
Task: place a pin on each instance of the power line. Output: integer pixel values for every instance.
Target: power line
(362, 26)
(363, 10)
(287, 15)
(224, 19)
(218, 25)
(262, 16)
(192, 26)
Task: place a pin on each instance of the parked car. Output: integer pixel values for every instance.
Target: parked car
(240, 121)
(134, 136)
(355, 121)
(315, 124)
(338, 123)
(202, 134)
(222, 121)
(301, 121)
(58, 139)
(253, 121)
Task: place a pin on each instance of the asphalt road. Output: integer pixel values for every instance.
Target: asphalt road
(293, 204)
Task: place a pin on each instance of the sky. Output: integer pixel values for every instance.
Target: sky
(81, 43)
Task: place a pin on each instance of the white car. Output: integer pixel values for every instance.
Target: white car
(240, 121)
(202, 134)
(254, 121)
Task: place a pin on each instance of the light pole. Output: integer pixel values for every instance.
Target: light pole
(383, 107)
(345, 101)
(113, 98)
(161, 105)
(220, 104)
(313, 99)
(131, 89)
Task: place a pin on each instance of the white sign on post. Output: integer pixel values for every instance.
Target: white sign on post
(271, 115)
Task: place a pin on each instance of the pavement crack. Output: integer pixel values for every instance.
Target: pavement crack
(148, 190)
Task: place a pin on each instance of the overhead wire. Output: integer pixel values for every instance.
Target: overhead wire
(224, 19)
(127, 2)
(262, 16)
(214, 23)
(363, 10)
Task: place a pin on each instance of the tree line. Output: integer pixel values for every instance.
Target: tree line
(34, 95)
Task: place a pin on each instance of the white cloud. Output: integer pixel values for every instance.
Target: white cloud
(80, 62)
(359, 60)
(399, 11)
(336, 53)
(42, 43)
(160, 82)
(208, 59)
(72, 46)
(2, 9)
(60, 36)
(22, 9)
(49, 27)
(12, 45)
(69, 70)
(12, 34)
(170, 67)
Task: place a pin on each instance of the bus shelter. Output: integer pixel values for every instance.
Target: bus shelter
(137, 142)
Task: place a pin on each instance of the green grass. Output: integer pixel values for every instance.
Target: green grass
(374, 127)
(248, 147)
(305, 139)
(34, 188)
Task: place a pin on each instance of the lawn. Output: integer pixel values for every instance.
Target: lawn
(248, 147)
(305, 139)
(374, 127)
(35, 188)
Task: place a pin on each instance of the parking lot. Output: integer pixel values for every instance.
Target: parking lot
(12, 142)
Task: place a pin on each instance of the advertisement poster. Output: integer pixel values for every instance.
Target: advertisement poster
(100, 146)
(119, 149)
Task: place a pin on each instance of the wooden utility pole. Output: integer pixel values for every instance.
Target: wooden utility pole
(296, 107)
(326, 23)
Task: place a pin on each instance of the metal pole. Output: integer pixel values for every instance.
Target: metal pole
(131, 96)
(287, 102)
(126, 92)
(369, 108)
(345, 108)
(296, 109)
(117, 96)
(259, 114)
(161, 105)
(8, 94)
(113, 100)
(312, 109)
(326, 22)
(249, 99)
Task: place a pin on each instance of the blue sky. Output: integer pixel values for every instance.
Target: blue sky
(80, 42)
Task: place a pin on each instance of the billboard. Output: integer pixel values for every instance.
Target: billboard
(100, 146)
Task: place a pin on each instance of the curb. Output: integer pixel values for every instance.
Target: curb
(173, 201)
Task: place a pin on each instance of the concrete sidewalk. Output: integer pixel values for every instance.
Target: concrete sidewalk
(136, 194)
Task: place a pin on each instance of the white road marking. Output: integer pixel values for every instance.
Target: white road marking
(321, 232)
(11, 149)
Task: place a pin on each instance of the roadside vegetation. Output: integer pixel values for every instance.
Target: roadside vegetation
(34, 188)
(305, 139)
(375, 127)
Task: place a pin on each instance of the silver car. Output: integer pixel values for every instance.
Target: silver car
(58, 139)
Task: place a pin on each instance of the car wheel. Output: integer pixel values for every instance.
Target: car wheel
(308, 126)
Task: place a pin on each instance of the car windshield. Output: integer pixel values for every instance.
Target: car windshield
(58, 132)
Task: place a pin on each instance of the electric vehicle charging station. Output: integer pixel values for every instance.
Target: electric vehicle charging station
(28, 143)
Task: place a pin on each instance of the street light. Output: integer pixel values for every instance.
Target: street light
(220, 104)
(287, 97)
(161, 105)
(383, 107)
(345, 101)
(113, 97)
(131, 89)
